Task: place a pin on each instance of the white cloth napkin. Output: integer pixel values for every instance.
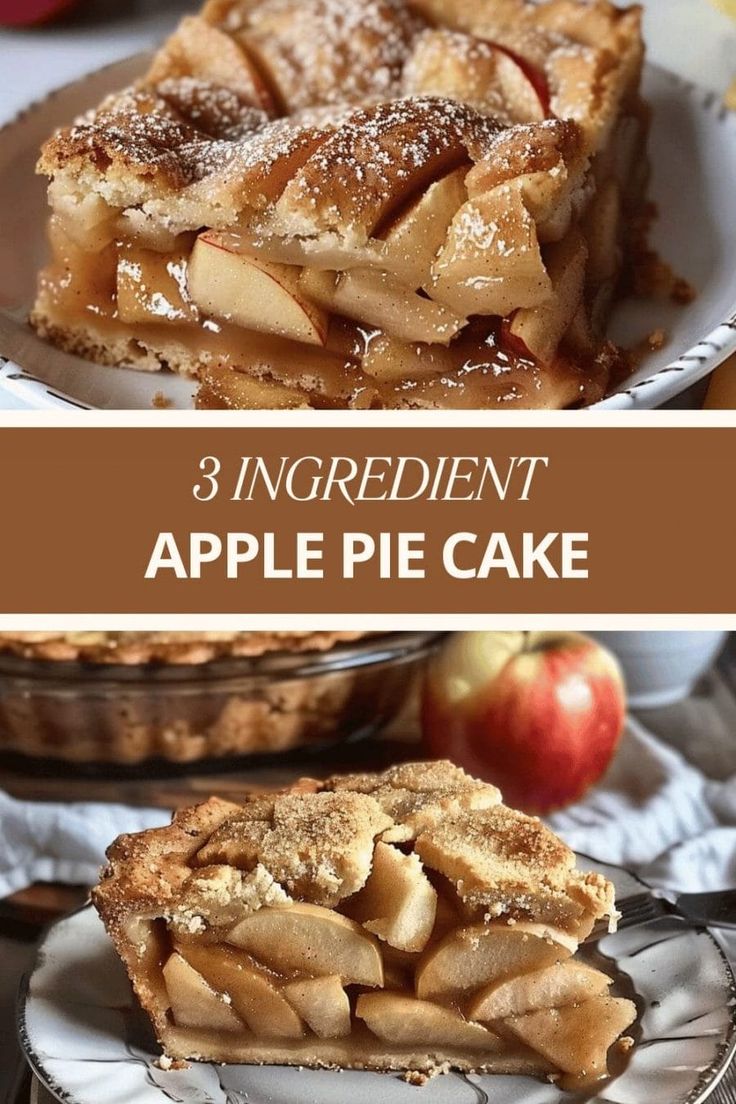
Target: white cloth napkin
(654, 814)
(660, 818)
(47, 842)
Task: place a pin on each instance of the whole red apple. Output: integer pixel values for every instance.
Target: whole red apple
(26, 13)
(539, 714)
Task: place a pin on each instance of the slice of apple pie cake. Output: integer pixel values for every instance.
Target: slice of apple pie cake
(359, 203)
(398, 921)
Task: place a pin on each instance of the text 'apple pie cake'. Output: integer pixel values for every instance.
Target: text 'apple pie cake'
(359, 203)
(400, 921)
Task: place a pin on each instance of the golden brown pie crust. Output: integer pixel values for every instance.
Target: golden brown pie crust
(310, 855)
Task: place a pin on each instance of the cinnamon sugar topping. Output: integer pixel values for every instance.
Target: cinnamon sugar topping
(318, 846)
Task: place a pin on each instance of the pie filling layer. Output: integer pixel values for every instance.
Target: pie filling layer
(403, 921)
(368, 203)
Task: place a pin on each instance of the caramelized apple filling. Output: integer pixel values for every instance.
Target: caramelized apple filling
(347, 924)
(366, 204)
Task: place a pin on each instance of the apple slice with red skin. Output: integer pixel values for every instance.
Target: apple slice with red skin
(474, 71)
(28, 13)
(247, 291)
(533, 74)
(538, 714)
(198, 50)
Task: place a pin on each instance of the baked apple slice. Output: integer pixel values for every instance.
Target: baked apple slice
(323, 1003)
(473, 71)
(252, 293)
(603, 230)
(577, 1037)
(492, 263)
(395, 362)
(379, 299)
(313, 940)
(224, 388)
(151, 287)
(413, 240)
(251, 993)
(555, 986)
(410, 1022)
(326, 253)
(475, 956)
(539, 330)
(194, 1003)
(398, 902)
(198, 49)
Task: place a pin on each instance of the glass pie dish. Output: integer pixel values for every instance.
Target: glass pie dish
(102, 716)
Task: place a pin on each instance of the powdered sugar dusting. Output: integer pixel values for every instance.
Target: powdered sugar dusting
(380, 151)
(331, 51)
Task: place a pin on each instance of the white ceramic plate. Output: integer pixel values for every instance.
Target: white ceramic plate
(88, 1042)
(694, 157)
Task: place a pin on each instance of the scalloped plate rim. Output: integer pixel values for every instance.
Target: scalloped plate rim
(700, 1093)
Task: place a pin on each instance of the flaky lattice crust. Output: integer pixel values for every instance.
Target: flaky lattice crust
(316, 841)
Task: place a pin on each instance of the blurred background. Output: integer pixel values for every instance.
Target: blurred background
(624, 742)
(47, 42)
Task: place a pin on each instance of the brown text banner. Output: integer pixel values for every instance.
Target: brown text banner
(373, 521)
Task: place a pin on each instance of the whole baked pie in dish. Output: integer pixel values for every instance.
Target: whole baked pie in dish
(133, 648)
(107, 702)
(359, 203)
(401, 921)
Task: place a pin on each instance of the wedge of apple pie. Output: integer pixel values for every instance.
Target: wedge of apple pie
(359, 203)
(398, 921)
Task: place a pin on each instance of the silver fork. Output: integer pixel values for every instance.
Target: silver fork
(725, 1092)
(704, 910)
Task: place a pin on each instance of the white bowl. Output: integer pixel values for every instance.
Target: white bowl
(694, 158)
(662, 668)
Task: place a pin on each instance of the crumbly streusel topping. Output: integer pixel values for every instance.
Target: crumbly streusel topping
(316, 844)
(418, 795)
(319, 846)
